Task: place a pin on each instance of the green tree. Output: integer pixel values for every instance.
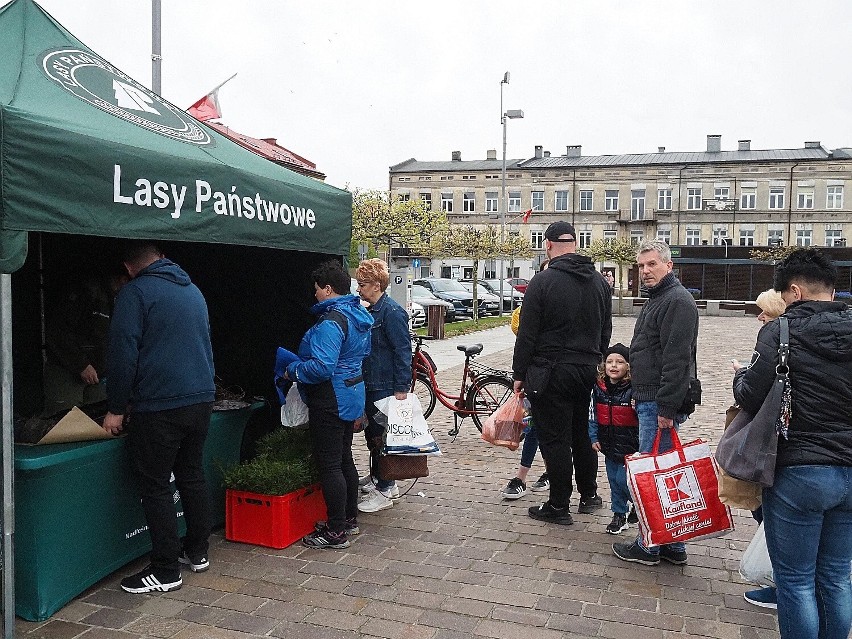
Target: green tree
(475, 243)
(384, 220)
(772, 255)
(619, 250)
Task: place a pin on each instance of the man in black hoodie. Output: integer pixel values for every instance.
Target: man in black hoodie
(566, 328)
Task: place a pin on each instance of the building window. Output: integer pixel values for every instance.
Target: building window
(746, 238)
(404, 197)
(561, 201)
(776, 199)
(664, 200)
(469, 205)
(834, 197)
(537, 201)
(664, 235)
(586, 200)
(537, 239)
(804, 237)
(610, 234)
(693, 199)
(514, 201)
(404, 179)
(832, 237)
(636, 237)
(611, 201)
(427, 200)
(721, 193)
(719, 235)
(585, 238)
(805, 200)
(425, 178)
(637, 205)
(447, 202)
(748, 199)
(491, 203)
(775, 237)
(693, 237)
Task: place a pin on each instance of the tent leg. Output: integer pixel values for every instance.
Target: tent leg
(8, 452)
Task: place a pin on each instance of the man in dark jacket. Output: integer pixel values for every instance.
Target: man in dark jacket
(807, 513)
(566, 328)
(662, 356)
(160, 363)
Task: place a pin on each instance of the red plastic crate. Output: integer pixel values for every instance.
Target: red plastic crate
(273, 521)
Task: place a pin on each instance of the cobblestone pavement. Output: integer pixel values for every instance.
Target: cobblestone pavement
(451, 560)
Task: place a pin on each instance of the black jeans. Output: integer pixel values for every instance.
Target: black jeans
(561, 418)
(161, 443)
(331, 442)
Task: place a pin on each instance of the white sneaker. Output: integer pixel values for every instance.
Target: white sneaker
(393, 492)
(367, 484)
(374, 502)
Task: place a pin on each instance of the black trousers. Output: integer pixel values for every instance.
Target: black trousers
(331, 443)
(161, 443)
(561, 418)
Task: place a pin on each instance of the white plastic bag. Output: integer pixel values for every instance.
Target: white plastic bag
(294, 412)
(755, 565)
(406, 431)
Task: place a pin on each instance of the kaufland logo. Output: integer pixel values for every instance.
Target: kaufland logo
(679, 492)
(96, 81)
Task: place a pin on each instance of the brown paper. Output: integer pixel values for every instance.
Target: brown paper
(76, 426)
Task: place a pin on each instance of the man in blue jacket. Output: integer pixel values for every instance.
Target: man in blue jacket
(329, 378)
(160, 364)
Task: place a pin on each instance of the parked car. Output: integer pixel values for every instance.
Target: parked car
(425, 298)
(451, 291)
(519, 283)
(512, 297)
(485, 298)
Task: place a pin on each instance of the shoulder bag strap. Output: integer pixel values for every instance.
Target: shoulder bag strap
(783, 346)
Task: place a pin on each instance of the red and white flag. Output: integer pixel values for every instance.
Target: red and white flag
(207, 108)
(526, 217)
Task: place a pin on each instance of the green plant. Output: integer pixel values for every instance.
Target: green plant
(283, 464)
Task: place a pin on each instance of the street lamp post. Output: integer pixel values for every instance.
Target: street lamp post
(512, 114)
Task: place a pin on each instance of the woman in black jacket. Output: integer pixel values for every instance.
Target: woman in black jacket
(808, 510)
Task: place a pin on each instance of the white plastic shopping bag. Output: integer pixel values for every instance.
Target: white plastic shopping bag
(406, 431)
(294, 412)
(755, 565)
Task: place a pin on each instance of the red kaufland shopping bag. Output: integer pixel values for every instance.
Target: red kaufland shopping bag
(676, 494)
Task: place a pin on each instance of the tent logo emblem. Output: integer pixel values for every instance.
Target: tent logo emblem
(96, 81)
(679, 491)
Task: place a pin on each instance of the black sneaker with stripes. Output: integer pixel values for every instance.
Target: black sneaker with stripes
(152, 580)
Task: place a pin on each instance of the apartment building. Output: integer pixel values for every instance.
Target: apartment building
(739, 197)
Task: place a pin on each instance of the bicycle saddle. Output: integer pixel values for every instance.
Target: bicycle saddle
(476, 349)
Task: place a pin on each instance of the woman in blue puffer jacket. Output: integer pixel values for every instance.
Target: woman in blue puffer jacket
(329, 378)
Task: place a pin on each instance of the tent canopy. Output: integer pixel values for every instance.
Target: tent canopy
(85, 149)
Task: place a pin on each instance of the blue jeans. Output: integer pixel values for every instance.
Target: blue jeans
(647, 412)
(530, 446)
(616, 474)
(807, 516)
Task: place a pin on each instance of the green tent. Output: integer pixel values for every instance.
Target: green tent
(85, 149)
(88, 154)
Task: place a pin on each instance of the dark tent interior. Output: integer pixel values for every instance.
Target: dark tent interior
(258, 299)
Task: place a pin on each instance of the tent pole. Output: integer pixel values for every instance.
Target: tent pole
(8, 522)
(156, 49)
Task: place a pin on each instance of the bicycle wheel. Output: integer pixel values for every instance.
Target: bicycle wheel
(485, 396)
(422, 387)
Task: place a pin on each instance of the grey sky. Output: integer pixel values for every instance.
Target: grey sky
(358, 86)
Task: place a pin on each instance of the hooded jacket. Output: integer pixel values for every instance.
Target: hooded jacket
(567, 315)
(820, 364)
(331, 355)
(613, 421)
(663, 347)
(159, 355)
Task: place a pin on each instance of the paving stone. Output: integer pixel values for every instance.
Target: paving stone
(110, 618)
(393, 611)
(152, 626)
(507, 630)
(446, 619)
(335, 619)
(396, 630)
(537, 618)
(57, 629)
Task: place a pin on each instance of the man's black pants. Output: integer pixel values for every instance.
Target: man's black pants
(161, 443)
(561, 418)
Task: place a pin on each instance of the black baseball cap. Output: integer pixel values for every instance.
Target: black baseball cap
(558, 229)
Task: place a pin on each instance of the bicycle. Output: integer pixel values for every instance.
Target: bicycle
(482, 388)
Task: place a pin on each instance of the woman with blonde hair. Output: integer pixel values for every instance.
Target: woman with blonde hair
(387, 369)
(771, 305)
